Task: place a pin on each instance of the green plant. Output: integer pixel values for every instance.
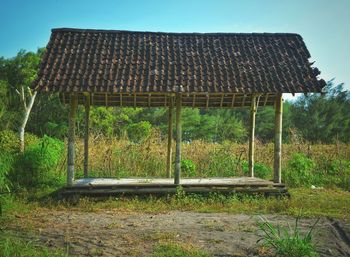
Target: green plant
(299, 171)
(36, 166)
(6, 163)
(188, 168)
(260, 170)
(11, 246)
(287, 242)
(9, 141)
(139, 132)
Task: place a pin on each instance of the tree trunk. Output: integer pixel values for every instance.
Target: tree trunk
(27, 110)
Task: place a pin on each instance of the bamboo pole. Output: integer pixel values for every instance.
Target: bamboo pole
(252, 136)
(178, 140)
(86, 136)
(71, 139)
(278, 138)
(170, 132)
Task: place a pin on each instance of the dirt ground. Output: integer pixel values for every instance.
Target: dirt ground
(115, 233)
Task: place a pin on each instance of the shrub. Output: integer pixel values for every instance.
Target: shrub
(188, 168)
(139, 132)
(287, 243)
(260, 170)
(36, 166)
(299, 171)
(9, 141)
(6, 163)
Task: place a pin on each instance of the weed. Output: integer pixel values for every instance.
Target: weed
(288, 242)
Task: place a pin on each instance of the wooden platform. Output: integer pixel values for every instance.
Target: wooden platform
(164, 186)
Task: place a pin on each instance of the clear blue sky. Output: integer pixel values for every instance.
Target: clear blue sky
(324, 24)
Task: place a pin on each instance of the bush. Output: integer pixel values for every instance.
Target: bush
(9, 141)
(6, 163)
(188, 168)
(222, 163)
(36, 166)
(299, 171)
(260, 170)
(139, 132)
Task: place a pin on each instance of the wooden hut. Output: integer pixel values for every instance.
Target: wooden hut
(155, 69)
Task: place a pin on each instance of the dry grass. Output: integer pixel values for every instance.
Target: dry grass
(121, 158)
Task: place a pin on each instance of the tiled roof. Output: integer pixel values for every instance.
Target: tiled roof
(108, 61)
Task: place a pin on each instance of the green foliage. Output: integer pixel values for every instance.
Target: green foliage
(288, 242)
(6, 164)
(177, 250)
(188, 168)
(299, 171)
(36, 167)
(9, 141)
(15, 247)
(139, 132)
(260, 170)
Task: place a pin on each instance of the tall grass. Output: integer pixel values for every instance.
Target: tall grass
(330, 164)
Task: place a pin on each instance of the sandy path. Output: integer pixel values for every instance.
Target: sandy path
(114, 233)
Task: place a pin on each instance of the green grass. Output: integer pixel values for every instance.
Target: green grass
(288, 242)
(177, 250)
(14, 247)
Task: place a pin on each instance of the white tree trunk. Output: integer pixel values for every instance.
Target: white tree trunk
(27, 109)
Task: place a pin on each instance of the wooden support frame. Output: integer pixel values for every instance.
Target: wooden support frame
(86, 135)
(71, 138)
(170, 133)
(252, 136)
(233, 100)
(278, 139)
(178, 139)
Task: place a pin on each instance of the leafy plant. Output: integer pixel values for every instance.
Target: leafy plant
(260, 170)
(188, 168)
(36, 167)
(299, 171)
(138, 132)
(288, 242)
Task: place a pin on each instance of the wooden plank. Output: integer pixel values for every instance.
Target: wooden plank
(71, 139)
(170, 132)
(178, 140)
(278, 139)
(252, 136)
(233, 100)
(86, 135)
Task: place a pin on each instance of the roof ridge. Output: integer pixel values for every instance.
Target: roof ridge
(175, 33)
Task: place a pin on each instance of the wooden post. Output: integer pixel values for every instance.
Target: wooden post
(71, 139)
(170, 133)
(178, 140)
(278, 138)
(86, 136)
(252, 136)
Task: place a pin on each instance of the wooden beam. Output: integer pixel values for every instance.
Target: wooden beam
(71, 139)
(252, 136)
(233, 100)
(149, 100)
(278, 138)
(266, 97)
(106, 99)
(170, 133)
(194, 101)
(207, 103)
(92, 99)
(178, 140)
(134, 100)
(243, 100)
(222, 100)
(86, 136)
(121, 99)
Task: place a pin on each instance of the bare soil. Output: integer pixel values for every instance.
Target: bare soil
(116, 233)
